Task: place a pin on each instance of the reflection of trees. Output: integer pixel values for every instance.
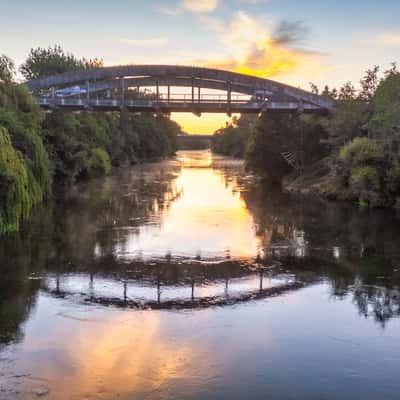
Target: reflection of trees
(17, 298)
(92, 222)
(380, 302)
(22, 256)
(314, 241)
(355, 251)
(66, 234)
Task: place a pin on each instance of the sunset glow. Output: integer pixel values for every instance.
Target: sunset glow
(207, 124)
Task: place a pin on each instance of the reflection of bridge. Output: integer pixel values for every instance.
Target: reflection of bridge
(172, 286)
(113, 88)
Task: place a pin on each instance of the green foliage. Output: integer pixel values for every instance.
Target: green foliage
(362, 172)
(43, 62)
(364, 178)
(393, 179)
(7, 69)
(21, 118)
(62, 146)
(126, 138)
(276, 134)
(266, 144)
(361, 150)
(233, 139)
(100, 163)
(15, 201)
(348, 121)
(385, 120)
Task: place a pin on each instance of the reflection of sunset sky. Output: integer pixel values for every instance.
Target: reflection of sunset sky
(247, 351)
(106, 354)
(208, 219)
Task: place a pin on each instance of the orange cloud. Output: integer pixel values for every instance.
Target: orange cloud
(267, 59)
(256, 50)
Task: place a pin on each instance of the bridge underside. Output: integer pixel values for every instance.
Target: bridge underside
(114, 88)
(248, 107)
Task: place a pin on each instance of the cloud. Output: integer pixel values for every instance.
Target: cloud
(149, 42)
(256, 48)
(193, 6)
(199, 6)
(389, 39)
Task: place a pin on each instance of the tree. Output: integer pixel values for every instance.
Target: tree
(314, 88)
(385, 120)
(393, 70)
(331, 93)
(347, 92)
(232, 140)
(266, 144)
(369, 83)
(7, 68)
(43, 62)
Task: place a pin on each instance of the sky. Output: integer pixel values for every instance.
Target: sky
(295, 42)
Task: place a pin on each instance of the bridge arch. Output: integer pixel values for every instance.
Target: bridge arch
(275, 95)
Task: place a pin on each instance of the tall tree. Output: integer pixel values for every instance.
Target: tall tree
(43, 62)
(7, 68)
(369, 83)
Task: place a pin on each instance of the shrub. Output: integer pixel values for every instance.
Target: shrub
(364, 178)
(15, 201)
(100, 163)
(361, 150)
(393, 179)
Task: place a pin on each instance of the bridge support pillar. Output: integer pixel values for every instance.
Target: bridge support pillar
(122, 92)
(87, 91)
(229, 98)
(192, 89)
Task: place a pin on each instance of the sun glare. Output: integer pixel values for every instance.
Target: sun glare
(207, 124)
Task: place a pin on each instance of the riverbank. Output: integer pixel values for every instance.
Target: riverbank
(43, 151)
(351, 154)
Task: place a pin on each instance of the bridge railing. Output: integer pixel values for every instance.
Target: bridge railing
(43, 100)
(175, 105)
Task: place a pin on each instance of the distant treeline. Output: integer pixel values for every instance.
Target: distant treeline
(351, 154)
(39, 150)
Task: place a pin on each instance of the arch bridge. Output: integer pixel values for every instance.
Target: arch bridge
(210, 90)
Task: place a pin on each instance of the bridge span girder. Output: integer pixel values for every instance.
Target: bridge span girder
(125, 77)
(197, 108)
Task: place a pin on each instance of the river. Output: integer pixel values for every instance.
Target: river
(188, 279)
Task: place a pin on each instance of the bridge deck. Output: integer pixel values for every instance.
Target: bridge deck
(202, 106)
(115, 84)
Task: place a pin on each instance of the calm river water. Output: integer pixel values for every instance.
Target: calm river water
(187, 279)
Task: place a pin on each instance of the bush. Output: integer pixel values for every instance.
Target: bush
(15, 201)
(100, 163)
(393, 179)
(361, 150)
(364, 178)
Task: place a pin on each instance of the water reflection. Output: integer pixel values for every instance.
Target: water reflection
(88, 280)
(206, 221)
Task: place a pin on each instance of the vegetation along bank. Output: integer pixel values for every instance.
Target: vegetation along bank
(39, 151)
(352, 154)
